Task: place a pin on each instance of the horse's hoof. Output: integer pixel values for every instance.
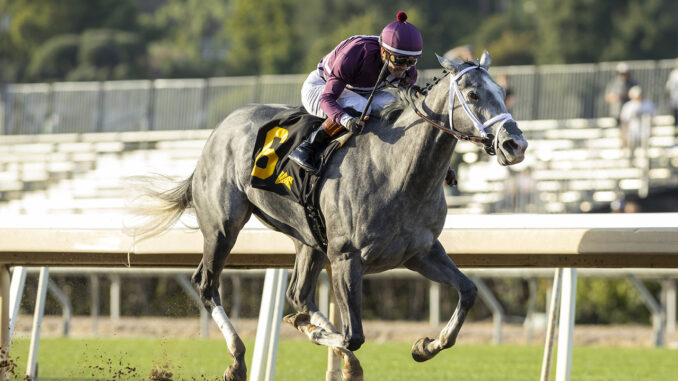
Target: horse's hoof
(296, 319)
(352, 372)
(236, 372)
(420, 352)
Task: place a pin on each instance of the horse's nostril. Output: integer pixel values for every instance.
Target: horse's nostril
(510, 145)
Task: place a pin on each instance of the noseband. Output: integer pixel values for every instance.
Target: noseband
(488, 140)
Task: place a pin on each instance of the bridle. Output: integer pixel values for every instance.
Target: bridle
(487, 139)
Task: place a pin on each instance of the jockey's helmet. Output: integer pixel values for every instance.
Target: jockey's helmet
(401, 38)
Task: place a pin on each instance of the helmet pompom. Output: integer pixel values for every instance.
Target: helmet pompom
(401, 16)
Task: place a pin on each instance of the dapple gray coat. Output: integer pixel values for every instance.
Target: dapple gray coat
(382, 199)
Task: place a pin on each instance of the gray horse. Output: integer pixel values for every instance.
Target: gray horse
(381, 195)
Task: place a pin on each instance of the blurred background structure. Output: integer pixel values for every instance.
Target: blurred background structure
(92, 92)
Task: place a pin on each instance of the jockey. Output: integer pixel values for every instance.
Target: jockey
(347, 75)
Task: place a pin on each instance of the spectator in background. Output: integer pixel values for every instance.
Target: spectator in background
(672, 94)
(617, 91)
(626, 204)
(636, 120)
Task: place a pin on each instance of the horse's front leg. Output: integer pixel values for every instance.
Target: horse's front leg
(437, 266)
(347, 282)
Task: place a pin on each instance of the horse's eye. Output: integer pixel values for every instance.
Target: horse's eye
(472, 95)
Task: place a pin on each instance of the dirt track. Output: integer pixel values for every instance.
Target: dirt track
(472, 332)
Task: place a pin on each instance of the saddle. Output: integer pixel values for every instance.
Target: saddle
(274, 172)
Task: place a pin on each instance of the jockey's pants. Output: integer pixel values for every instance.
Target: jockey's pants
(315, 85)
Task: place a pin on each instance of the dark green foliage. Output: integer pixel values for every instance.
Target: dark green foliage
(107, 54)
(55, 58)
(127, 39)
(104, 47)
(646, 30)
(97, 54)
(604, 301)
(46, 36)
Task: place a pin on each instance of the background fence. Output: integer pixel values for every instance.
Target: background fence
(541, 92)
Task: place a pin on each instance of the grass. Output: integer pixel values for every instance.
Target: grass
(133, 359)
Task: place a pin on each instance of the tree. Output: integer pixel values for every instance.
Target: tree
(54, 59)
(574, 31)
(198, 38)
(183, 45)
(508, 37)
(32, 30)
(367, 23)
(263, 38)
(445, 25)
(35, 21)
(645, 30)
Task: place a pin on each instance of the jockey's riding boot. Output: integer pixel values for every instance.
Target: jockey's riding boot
(305, 154)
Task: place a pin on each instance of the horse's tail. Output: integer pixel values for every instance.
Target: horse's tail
(157, 203)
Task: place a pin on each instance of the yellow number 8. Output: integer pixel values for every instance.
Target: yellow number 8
(267, 151)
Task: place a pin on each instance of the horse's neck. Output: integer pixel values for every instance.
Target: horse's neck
(426, 153)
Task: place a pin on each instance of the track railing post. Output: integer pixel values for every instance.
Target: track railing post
(185, 284)
(434, 303)
(66, 308)
(32, 366)
(4, 321)
(16, 290)
(274, 338)
(550, 328)
(115, 297)
(669, 290)
(268, 328)
(493, 304)
(658, 315)
(566, 327)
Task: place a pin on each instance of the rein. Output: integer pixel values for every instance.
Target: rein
(489, 141)
(456, 134)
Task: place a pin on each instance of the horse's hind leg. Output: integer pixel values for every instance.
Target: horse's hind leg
(309, 320)
(218, 242)
(437, 266)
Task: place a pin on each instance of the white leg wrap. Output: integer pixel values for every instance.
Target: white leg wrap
(318, 319)
(225, 326)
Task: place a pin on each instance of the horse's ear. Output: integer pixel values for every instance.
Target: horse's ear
(485, 60)
(450, 65)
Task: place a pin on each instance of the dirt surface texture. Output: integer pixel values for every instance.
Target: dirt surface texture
(377, 331)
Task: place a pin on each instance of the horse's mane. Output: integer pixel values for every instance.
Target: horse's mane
(403, 99)
(394, 108)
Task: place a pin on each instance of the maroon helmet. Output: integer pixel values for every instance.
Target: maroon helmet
(401, 37)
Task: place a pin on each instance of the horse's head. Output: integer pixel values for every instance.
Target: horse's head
(477, 110)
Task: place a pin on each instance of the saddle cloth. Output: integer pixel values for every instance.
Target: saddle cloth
(273, 171)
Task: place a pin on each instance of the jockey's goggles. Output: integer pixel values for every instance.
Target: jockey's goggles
(402, 60)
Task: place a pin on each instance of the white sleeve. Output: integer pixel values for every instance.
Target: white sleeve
(344, 119)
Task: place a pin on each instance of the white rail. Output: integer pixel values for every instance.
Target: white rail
(593, 241)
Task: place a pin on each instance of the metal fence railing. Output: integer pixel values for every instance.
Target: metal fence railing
(541, 92)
